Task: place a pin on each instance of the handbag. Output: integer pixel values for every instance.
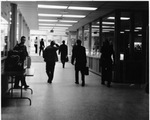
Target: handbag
(86, 71)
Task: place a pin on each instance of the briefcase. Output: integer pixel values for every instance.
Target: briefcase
(86, 71)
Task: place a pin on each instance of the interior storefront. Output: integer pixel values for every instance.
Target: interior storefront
(127, 31)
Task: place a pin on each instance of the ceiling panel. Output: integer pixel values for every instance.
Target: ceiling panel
(30, 11)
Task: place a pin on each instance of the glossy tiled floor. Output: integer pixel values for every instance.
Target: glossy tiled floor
(64, 100)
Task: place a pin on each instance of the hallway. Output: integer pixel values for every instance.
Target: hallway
(64, 100)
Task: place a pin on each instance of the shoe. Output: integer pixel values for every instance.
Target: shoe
(17, 87)
(26, 86)
(76, 82)
(83, 84)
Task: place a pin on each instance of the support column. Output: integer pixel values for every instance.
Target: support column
(83, 35)
(117, 74)
(100, 33)
(77, 33)
(13, 27)
(90, 36)
(20, 27)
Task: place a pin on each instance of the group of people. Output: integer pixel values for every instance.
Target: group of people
(42, 46)
(78, 59)
(50, 57)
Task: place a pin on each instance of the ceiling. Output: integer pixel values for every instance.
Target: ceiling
(30, 11)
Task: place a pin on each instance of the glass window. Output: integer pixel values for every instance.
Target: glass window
(80, 34)
(108, 28)
(86, 38)
(138, 36)
(95, 38)
(4, 36)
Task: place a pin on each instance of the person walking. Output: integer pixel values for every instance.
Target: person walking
(50, 57)
(63, 51)
(107, 51)
(41, 46)
(21, 47)
(36, 44)
(79, 56)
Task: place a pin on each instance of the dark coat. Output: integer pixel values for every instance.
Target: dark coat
(106, 59)
(42, 45)
(22, 48)
(63, 51)
(79, 56)
(50, 54)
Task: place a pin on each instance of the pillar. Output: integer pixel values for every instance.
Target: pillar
(13, 26)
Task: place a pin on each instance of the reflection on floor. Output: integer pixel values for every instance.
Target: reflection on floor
(64, 100)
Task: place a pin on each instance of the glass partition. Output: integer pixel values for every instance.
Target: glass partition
(108, 28)
(4, 37)
(95, 39)
(86, 38)
(80, 34)
(138, 36)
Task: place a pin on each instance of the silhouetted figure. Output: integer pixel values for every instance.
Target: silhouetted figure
(41, 46)
(63, 51)
(107, 51)
(50, 57)
(36, 44)
(79, 56)
(21, 47)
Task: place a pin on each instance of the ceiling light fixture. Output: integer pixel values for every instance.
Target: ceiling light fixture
(122, 18)
(50, 15)
(74, 16)
(63, 25)
(108, 23)
(81, 8)
(69, 21)
(46, 24)
(52, 6)
(44, 20)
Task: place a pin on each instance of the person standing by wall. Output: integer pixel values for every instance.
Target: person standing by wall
(36, 44)
(63, 51)
(79, 56)
(107, 51)
(50, 57)
(21, 47)
(41, 46)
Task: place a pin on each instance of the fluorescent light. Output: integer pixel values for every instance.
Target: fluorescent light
(136, 30)
(46, 24)
(64, 28)
(68, 21)
(43, 20)
(63, 25)
(107, 26)
(81, 8)
(108, 23)
(139, 28)
(125, 18)
(122, 18)
(75, 16)
(95, 26)
(127, 30)
(50, 15)
(121, 32)
(139, 35)
(52, 6)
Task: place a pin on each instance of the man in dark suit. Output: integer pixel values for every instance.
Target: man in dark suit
(63, 51)
(22, 48)
(79, 56)
(50, 57)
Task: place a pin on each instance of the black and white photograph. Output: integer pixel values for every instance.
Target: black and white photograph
(74, 60)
